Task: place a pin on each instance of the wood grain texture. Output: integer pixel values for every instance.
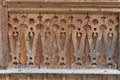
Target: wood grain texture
(119, 44)
(3, 36)
(1, 45)
(66, 40)
(59, 77)
(64, 1)
(64, 34)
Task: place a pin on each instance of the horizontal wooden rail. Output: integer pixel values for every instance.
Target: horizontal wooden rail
(61, 71)
(61, 10)
(72, 3)
(63, 0)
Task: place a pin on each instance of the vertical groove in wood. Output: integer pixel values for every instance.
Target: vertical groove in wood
(45, 77)
(28, 77)
(116, 77)
(119, 44)
(84, 77)
(7, 77)
(64, 77)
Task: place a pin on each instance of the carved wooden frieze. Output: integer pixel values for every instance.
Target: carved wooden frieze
(41, 40)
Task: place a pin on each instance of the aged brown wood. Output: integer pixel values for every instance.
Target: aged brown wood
(78, 37)
(63, 37)
(94, 38)
(47, 37)
(31, 33)
(51, 34)
(57, 30)
(3, 36)
(1, 45)
(119, 44)
(58, 77)
(15, 42)
(110, 33)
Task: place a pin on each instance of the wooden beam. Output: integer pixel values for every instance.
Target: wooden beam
(3, 36)
(63, 5)
(1, 49)
(47, 3)
(4, 21)
(61, 71)
(67, 10)
(63, 0)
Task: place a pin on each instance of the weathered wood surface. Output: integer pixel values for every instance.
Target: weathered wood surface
(1, 41)
(64, 34)
(3, 36)
(63, 41)
(58, 77)
(66, 0)
(63, 6)
(119, 44)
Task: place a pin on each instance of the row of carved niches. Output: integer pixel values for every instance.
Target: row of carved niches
(73, 41)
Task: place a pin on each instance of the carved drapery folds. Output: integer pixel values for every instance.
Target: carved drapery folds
(46, 40)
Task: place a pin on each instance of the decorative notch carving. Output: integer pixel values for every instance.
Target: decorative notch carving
(31, 40)
(94, 38)
(62, 42)
(78, 38)
(47, 37)
(57, 38)
(14, 40)
(110, 38)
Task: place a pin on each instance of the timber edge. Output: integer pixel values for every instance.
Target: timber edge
(76, 6)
